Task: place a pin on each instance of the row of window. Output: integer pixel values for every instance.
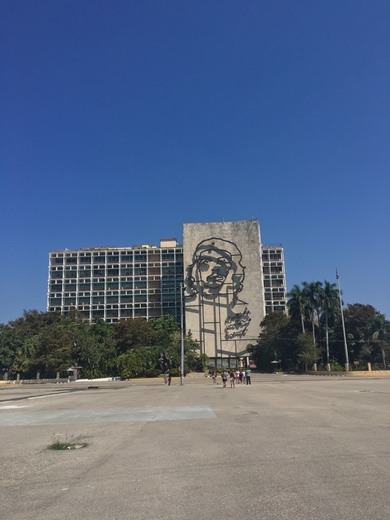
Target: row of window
(172, 308)
(115, 259)
(273, 283)
(112, 286)
(71, 300)
(102, 271)
(119, 279)
(269, 309)
(275, 296)
(116, 252)
(271, 257)
(273, 269)
(138, 289)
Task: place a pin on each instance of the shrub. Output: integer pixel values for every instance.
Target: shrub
(152, 372)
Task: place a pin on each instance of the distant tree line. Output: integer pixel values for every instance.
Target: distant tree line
(48, 342)
(312, 333)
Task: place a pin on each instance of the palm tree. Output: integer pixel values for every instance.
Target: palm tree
(380, 329)
(329, 303)
(297, 304)
(312, 295)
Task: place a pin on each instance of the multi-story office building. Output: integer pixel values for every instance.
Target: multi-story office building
(117, 283)
(274, 275)
(144, 281)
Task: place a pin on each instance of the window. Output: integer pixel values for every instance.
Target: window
(84, 272)
(140, 256)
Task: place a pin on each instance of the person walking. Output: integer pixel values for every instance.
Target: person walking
(224, 377)
(248, 376)
(232, 379)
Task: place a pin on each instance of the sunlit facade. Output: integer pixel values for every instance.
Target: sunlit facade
(117, 283)
(274, 276)
(141, 281)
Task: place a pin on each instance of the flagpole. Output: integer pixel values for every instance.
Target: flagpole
(181, 336)
(342, 321)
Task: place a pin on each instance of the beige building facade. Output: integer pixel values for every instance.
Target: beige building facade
(224, 288)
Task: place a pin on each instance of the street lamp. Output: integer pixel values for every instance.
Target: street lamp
(181, 336)
(342, 322)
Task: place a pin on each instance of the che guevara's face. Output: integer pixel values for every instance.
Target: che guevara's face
(213, 269)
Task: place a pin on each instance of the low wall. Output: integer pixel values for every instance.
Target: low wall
(351, 373)
(32, 381)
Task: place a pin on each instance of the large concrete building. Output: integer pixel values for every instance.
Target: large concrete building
(117, 283)
(231, 281)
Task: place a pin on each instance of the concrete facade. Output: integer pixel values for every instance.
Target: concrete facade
(114, 284)
(224, 288)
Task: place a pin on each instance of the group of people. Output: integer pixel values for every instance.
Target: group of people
(238, 376)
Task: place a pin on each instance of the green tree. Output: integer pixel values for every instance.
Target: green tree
(103, 333)
(131, 364)
(276, 342)
(166, 328)
(358, 319)
(312, 294)
(379, 331)
(297, 305)
(329, 300)
(133, 333)
(194, 361)
(309, 353)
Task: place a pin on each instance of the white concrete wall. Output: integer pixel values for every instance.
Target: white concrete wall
(224, 294)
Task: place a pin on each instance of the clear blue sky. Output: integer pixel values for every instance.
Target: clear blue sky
(122, 120)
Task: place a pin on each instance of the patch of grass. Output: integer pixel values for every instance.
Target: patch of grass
(66, 443)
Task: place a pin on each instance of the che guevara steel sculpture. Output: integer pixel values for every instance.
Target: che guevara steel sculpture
(216, 276)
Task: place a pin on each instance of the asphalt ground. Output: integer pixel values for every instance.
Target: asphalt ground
(286, 447)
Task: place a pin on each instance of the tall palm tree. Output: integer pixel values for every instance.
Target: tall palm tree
(297, 304)
(329, 305)
(312, 294)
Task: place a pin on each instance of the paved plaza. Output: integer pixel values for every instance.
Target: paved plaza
(287, 447)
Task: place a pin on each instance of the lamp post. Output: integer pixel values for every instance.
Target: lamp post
(342, 322)
(181, 336)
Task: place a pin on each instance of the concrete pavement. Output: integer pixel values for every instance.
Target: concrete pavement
(287, 447)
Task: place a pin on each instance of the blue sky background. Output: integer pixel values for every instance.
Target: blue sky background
(122, 120)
